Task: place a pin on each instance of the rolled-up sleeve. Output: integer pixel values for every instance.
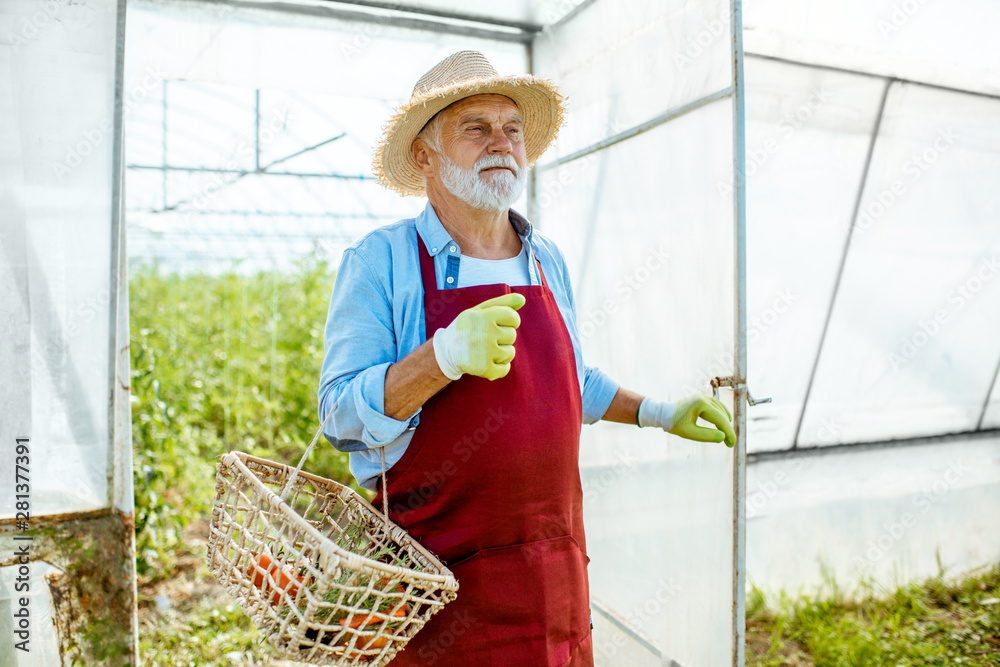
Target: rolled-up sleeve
(360, 345)
(598, 392)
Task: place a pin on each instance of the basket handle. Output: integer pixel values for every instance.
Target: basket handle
(295, 474)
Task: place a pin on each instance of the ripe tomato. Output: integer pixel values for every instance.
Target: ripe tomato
(279, 577)
(361, 619)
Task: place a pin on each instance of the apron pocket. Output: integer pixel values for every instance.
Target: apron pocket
(527, 600)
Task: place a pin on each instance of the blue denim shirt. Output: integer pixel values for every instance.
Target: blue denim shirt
(377, 317)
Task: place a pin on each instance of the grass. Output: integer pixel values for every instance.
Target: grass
(216, 635)
(204, 626)
(939, 621)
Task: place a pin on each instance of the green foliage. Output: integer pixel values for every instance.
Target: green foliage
(220, 362)
(206, 635)
(936, 622)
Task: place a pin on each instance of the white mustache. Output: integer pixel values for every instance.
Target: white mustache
(491, 161)
(496, 193)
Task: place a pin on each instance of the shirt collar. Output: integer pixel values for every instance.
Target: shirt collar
(437, 239)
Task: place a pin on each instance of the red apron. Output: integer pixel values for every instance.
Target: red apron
(490, 483)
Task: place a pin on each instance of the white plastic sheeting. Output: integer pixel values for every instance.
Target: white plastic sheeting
(527, 12)
(873, 157)
(991, 418)
(915, 331)
(880, 515)
(43, 642)
(621, 66)
(56, 289)
(195, 82)
(943, 43)
(647, 227)
(808, 132)
(872, 280)
(64, 366)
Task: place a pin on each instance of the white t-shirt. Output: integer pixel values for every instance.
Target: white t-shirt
(513, 271)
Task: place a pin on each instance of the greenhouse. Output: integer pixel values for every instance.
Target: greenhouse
(792, 207)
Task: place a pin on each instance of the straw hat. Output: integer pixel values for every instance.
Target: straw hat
(458, 76)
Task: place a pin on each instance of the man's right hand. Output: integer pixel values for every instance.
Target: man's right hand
(681, 418)
(480, 341)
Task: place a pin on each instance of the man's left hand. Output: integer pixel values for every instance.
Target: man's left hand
(681, 418)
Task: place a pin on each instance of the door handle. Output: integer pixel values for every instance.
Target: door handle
(727, 381)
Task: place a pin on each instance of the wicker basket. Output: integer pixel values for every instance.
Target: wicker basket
(322, 573)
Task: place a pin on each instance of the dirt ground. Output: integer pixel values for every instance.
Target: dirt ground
(169, 602)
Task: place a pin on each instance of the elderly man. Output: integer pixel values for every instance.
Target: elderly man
(452, 359)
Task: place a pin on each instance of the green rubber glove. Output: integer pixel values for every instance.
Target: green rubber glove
(480, 341)
(681, 418)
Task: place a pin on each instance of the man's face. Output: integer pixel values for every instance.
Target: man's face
(483, 125)
(482, 160)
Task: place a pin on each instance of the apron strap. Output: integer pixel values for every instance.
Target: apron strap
(541, 275)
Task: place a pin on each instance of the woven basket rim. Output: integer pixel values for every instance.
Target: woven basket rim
(239, 460)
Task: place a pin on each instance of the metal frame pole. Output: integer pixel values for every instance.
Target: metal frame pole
(121, 494)
(740, 357)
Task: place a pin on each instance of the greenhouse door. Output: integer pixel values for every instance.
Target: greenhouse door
(642, 195)
(67, 566)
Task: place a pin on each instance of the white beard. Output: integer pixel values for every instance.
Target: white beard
(495, 191)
